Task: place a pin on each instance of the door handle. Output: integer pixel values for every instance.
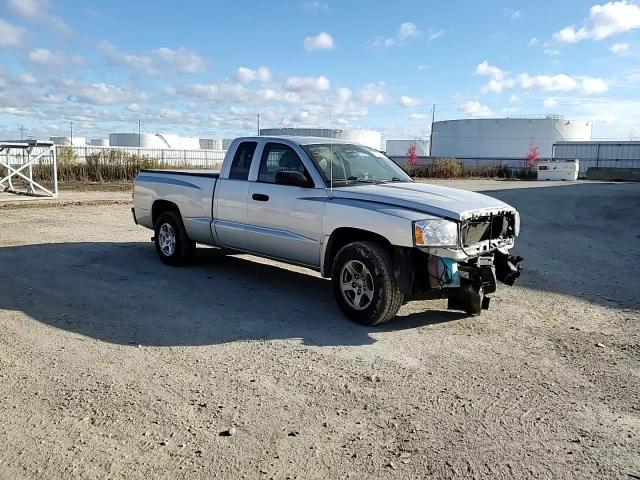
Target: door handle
(260, 197)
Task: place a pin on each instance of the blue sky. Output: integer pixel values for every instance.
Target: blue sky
(206, 68)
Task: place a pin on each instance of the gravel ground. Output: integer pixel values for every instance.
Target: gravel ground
(113, 365)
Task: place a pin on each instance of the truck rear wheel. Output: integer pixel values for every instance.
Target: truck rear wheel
(363, 283)
(173, 245)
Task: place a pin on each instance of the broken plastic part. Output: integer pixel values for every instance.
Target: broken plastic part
(507, 267)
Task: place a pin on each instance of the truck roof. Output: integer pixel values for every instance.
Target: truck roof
(298, 140)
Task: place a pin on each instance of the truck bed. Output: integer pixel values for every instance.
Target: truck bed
(190, 190)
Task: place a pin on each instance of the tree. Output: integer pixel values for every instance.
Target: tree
(411, 154)
(532, 155)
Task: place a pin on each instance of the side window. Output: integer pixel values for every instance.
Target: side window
(277, 157)
(242, 161)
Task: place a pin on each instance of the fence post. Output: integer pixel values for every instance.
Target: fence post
(55, 172)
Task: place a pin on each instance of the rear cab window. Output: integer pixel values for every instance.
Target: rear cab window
(242, 161)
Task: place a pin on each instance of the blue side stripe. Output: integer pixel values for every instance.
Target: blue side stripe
(166, 180)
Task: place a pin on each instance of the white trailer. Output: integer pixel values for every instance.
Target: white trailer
(558, 170)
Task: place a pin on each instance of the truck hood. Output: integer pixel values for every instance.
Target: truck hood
(451, 203)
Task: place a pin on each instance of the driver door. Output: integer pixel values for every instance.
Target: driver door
(284, 221)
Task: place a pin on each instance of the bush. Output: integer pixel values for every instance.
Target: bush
(66, 157)
(441, 168)
(447, 168)
(106, 166)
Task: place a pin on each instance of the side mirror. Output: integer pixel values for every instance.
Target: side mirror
(293, 178)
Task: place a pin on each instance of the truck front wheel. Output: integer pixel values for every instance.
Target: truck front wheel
(363, 283)
(173, 245)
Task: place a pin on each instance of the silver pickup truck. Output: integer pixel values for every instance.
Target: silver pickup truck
(344, 210)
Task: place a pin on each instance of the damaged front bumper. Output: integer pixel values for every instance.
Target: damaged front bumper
(479, 279)
(466, 284)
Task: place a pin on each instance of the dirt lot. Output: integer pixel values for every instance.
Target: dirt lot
(113, 365)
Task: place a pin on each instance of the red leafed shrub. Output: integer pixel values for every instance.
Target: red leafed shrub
(532, 155)
(411, 154)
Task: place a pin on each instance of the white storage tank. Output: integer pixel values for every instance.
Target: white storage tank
(211, 143)
(558, 170)
(370, 138)
(154, 140)
(66, 141)
(504, 137)
(99, 142)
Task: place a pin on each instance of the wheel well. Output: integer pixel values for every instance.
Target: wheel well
(345, 235)
(161, 206)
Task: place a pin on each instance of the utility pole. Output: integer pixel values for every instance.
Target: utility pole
(258, 117)
(71, 138)
(433, 118)
(330, 119)
(139, 140)
(22, 131)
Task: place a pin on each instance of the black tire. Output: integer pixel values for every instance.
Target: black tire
(181, 253)
(386, 298)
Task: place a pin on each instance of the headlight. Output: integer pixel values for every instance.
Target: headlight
(516, 224)
(435, 233)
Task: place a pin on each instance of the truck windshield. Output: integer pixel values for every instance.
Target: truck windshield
(351, 164)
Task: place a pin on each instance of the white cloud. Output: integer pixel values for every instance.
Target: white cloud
(417, 116)
(407, 31)
(315, 6)
(591, 85)
(322, 41)
(374, 93)
(433, 34)
(497, 81)
(409, 102)
(533, 42)
(170, 114)
(38, 11)
(102, 94)
(27, 79)
(215, 92)
(570, 35)
(489, 70)
(46, 58)
(307, 84)
(344, 95)
(160, 61)
(28, 8)
(500, 80)
(475, 109)
(550, 103)
(513, 14)
(604, 21)
(10, 35)
(620, 48)
(560, 82)
(247, 75)
(134, 107)
(424, 67)
(42, 56)
(182, 59)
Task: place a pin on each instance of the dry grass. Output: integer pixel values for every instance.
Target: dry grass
(448, 168)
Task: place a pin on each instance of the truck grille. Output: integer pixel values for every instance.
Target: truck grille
(491, 227)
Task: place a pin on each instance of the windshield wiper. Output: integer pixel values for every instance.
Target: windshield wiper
(354, 180)
(394, 179)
